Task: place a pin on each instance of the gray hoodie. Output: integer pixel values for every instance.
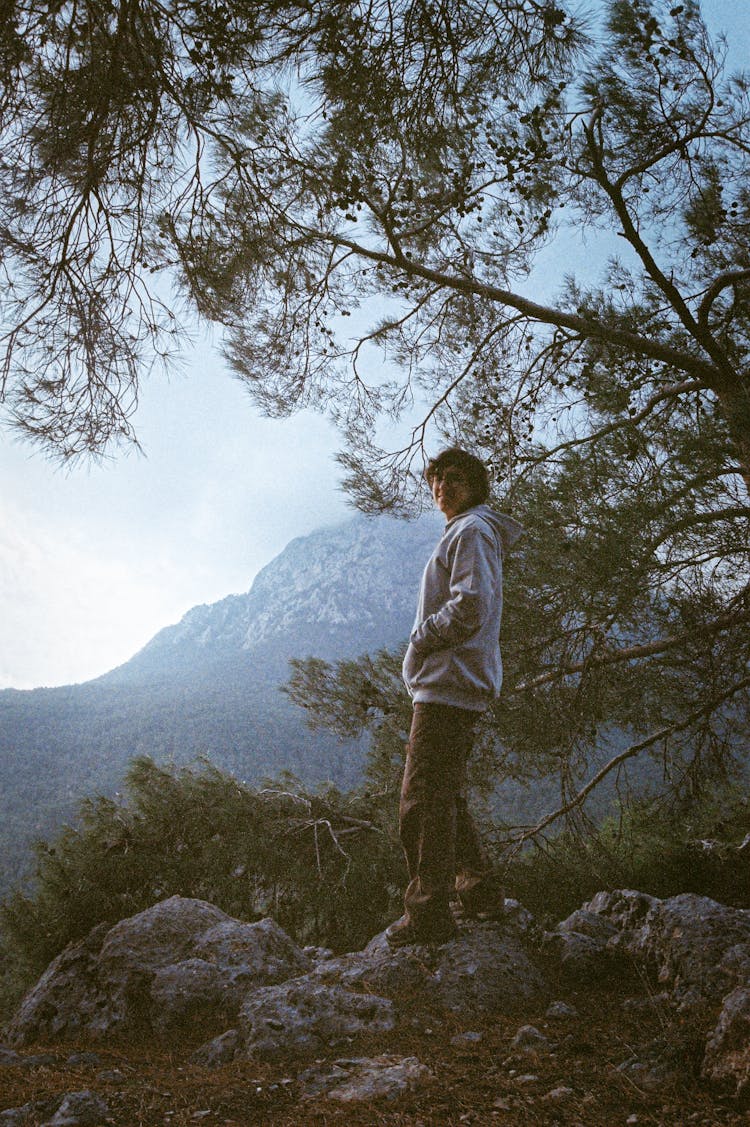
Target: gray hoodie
(454, 650)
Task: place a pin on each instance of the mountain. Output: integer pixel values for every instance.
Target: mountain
(209, 685)
(336, 592)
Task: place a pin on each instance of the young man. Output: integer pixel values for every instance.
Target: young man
(452, 670)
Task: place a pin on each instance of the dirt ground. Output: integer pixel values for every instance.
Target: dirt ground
(575, 1080)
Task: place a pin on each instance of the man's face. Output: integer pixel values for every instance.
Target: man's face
(451, 492)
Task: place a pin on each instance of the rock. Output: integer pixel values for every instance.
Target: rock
(727, 1057)
(380, 970)
(580, 956)
(699, 952)
(40, 1111)
(698, 949)
(363, 1078)
(529, 1037)
(518, 917)
(219, 1051)
(84, 1060)
(110, 1076)
(191, 990)
(80, 1109)
(9, 1058)
(185, 964)
(581, 943)
(40, 1060)
(623, 909)
(179, 960)
(647, 1076)
(468, 1038)
(259, 953)
(560, 1011)
(318, 954)
(320, 1078)
(558, 1095)
(647, 1002)
(656, 1065)
(305, 1014)
(16, 1116)
(63, 1000)
(487, 969)
(586, 922)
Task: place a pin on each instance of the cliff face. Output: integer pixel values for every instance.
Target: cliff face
(335, 593)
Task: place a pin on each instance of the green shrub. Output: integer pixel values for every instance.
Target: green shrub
(647, 846)
(318, 863)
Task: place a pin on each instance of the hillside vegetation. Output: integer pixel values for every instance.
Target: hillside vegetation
(325, 865)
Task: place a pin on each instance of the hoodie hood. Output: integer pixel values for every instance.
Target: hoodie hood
(506, 529)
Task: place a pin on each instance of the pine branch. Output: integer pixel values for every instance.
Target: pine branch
(629, 753)
(630, 653)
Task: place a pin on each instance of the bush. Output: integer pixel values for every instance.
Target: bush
(648, 847)
(318, 863)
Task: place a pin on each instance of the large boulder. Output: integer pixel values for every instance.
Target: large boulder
(180, 961)
(488, 967)
(697, 949)
(306, 1015)
(490, 971)
(302, 1016)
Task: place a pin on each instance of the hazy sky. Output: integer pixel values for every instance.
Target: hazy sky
(95, 560)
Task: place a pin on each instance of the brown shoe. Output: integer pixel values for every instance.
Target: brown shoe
(403, 932)
(480, 903)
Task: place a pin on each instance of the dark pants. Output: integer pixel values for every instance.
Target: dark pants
(437, 834)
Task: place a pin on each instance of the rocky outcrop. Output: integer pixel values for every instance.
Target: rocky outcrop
(698, 952)
(185, 966)
(179, 960)
(727, 1059)
(303, 1016)
(697, 949)
(487, 968)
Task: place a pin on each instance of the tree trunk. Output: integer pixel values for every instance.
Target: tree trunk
(734, 397)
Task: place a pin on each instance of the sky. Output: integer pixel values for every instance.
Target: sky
(95, 559)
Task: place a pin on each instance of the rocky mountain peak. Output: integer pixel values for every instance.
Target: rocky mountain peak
(358, 579)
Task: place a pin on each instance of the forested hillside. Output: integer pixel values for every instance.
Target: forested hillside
(209, 686)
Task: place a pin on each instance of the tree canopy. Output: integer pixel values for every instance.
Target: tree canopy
(363, 196)
(292, 162)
